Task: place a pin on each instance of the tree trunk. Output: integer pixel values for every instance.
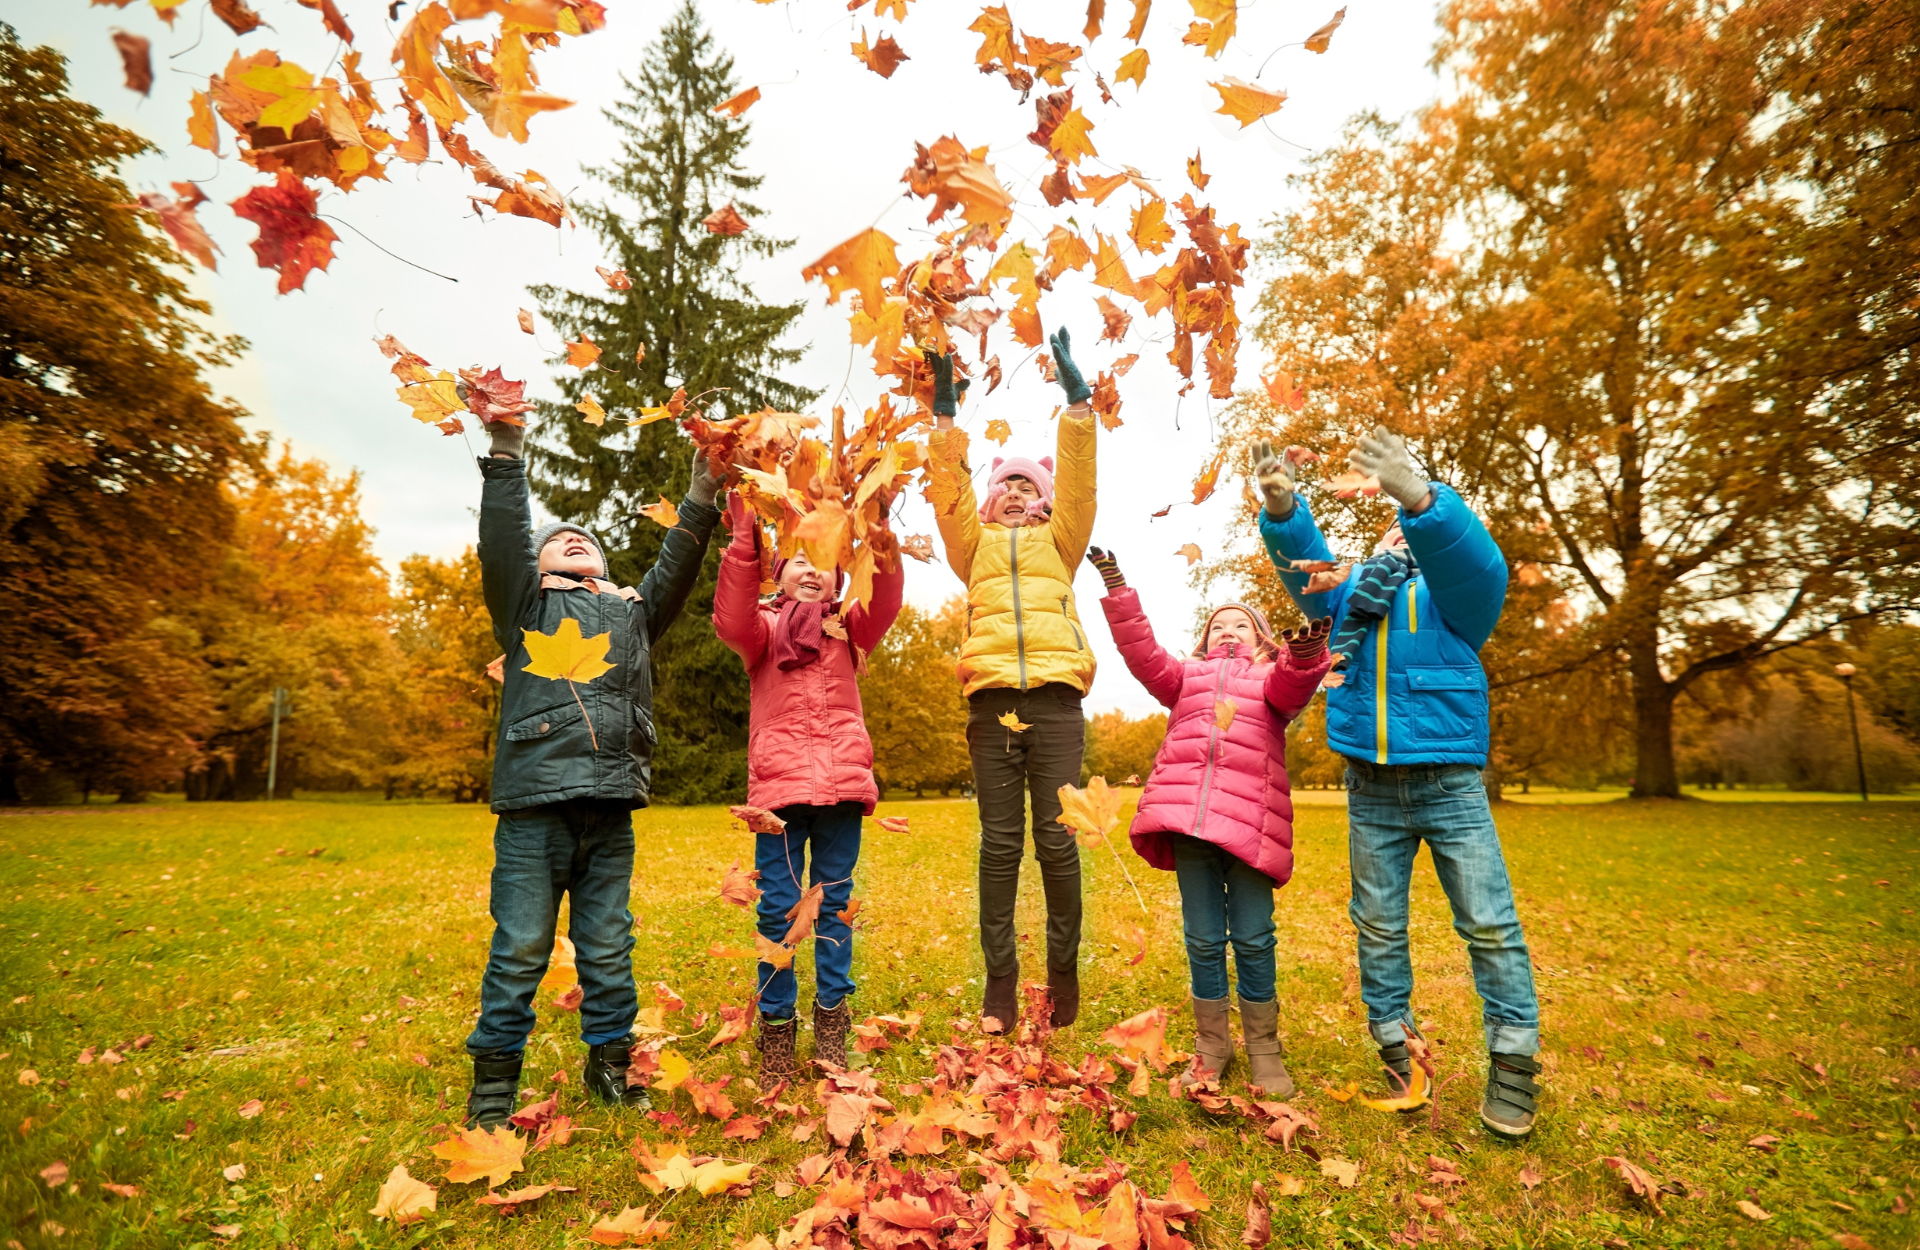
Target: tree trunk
(1654, 775)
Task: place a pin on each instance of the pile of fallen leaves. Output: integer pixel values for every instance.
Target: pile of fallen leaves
(455, 64)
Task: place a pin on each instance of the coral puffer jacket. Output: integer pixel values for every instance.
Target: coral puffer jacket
(807, 733)
(1023, 629)
(1227, 786)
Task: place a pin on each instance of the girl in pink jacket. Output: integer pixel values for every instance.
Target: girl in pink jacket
(1217, 810)
(809, 762)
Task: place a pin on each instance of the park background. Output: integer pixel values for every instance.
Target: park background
(1636, 278)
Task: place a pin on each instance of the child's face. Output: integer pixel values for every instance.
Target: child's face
(1231, 625)
(570, 552)
(1017, 505)
(802, 581)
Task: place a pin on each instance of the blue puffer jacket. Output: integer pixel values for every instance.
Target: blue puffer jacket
(1431, 706)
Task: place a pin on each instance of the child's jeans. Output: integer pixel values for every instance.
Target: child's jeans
(1222, 900)
(1009, 769)
(1391, 810)
(820, 846)
(582, 848)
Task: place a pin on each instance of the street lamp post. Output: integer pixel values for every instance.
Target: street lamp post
(1846, 672)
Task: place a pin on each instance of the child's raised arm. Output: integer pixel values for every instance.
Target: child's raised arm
(1152, 665)
(1304, 661)
(1075, 476)
(736, 596)
(868, 623)
(509, 568)
(664, 590)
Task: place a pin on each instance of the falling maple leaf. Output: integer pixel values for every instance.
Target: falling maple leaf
(1412, 1098)
(581, 355)
(1114, 319)
(1203, 486)
(662, 513)
(564, 655)
(1319, 39)
(1143, 1036)
(616, 279)
(1072, 139)
(733, 1026)
(1283, 392)
(859, 264)
(1133, 68)
(136, 60)
(292, 240)
(1191, 551)
(725, 220)
(1247, 102)
(1092, 813)
(590, 408)
(239, 18)
(893, 824)
(403, 1199)
(1150, 231)
(525, 320)
(492, 1153)
(737, 885)
(1352, 482)
(999, 431)
(178, 219)
(1342, 1172)
(1012, 721)
(804, 914)
(757, 819)
(492, 397)
(882, 58)
(736, 105)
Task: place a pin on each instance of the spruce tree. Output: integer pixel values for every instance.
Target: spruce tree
(688, 320)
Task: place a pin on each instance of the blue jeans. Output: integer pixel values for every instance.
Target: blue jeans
(832, 835)
(582, 848)
(1223, 899)
(1391, 809)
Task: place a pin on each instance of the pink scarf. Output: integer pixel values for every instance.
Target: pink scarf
(797, 634)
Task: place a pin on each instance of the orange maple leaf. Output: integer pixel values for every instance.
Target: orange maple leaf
(859, 264)
(1319, 40)
(1072, 138)
(725, 220)
(883, 57)
(474, 1153)
(1092, 813)
(1144, 1036)
(1150, 231)
(1191, 551)
(1198, 177)
(581, 355)
(1247, 102)
(733, 106)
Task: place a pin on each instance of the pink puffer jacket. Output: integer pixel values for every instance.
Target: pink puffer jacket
(807, 733)
(1224, 786)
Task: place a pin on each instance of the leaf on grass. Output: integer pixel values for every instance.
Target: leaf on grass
(54, 1174)
(565, 654)
(125, 1191)
(403, 1199)
(471, 1154)
(674, 1070)
(1259, 1229)
(1636, 1180)
(733, 1026)
(1184, 1189)
(894, 824)
(509, 1203)
(1528, 1177)
(1144, 1035)
(1343, 1172)
(632, 1227)
(1752, 1210)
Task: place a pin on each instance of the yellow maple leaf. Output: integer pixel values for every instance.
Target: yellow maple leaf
(590, 408)
(1016, 269)
(717, 1174)
(403, 1199)
(473, 1153)
(1150, 232)
(632, 1227)
(565, 655)
(674, 1069)
(1247, 102)
(582, 354)
(662, 513)
(1012, 721)
(1093, 812)
(1133, 68)
(1072, 138)
(999, 431)
(201, 130)
(860, 264)
(432, 396)
(1414, 1098)
(294, 94)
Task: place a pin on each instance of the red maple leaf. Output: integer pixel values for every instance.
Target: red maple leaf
(492, 398)
(292, 240)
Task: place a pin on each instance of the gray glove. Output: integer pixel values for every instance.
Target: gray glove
(705, 486)
(508, 439)
(1383, 455)
(1273, 473)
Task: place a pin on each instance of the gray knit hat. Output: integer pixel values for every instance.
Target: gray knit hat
(546, 532)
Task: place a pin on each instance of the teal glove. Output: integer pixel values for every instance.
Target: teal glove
(946, 395)
(1068, 373)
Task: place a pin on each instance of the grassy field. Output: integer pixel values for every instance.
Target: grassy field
(1712, 974)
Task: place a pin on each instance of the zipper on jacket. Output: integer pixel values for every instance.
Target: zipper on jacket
(1385, 627)
(1213, 739)
(1019, 627)
(1413, 606)
(1072, 625)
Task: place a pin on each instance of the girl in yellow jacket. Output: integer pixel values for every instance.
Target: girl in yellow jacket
(1024, 668)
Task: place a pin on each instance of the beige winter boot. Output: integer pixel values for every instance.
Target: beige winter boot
(1265, 1069)
(1212, 1043)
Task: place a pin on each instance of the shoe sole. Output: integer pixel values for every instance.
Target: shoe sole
(1504, 1130)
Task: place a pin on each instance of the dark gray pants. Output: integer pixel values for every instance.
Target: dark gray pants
(1009, 767)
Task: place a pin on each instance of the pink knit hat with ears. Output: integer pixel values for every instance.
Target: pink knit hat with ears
(1039, 472)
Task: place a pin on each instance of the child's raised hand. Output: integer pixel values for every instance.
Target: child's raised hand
(946, 393)
(1273, 473)
(1065, 371)
(1383, 455)
(705, 486)
(1307, 646)
(1107, 566)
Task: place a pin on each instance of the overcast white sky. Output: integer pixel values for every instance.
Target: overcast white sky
(831, 139)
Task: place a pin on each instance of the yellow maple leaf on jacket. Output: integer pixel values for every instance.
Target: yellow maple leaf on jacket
(565, 655)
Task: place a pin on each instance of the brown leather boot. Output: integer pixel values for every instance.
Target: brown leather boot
(999, 1006)
(1266, 1070)
(1212, 1043)
(830, 1025)
(775, 1042)
(1066, 996)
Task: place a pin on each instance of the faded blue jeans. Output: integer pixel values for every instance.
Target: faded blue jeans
(1222, 900)
(1391, 809)
(820, 846)
(582, 848)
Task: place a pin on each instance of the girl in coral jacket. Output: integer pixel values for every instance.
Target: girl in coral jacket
(1024, 667)
(809, 762)
(1217, 810)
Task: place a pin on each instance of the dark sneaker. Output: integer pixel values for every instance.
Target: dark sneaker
(496, 1090)
(1396, 1064)
(1512, 1092)
(1065, 987)
(830, 1025)
(777, 1063)
(606, 1076)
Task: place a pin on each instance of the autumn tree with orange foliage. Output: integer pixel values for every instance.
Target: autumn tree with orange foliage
(915, 715)
(112, 450)
(1635, 287)
(449, 704)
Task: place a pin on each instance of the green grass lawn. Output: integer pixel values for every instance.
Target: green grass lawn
(1711, 974)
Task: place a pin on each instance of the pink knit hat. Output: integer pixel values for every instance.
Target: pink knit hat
(1039, 472)
(1264, 645)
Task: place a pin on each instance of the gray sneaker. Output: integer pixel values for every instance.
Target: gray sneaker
(1508, 1109)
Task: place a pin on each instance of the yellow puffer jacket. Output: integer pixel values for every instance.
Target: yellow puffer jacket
(1022, 627)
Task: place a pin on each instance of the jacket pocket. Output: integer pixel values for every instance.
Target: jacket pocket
(1079, 643)
(1445, 703)
(545, 724)
(644, 735)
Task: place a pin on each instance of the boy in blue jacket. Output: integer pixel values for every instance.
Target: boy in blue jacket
(1409, 713)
